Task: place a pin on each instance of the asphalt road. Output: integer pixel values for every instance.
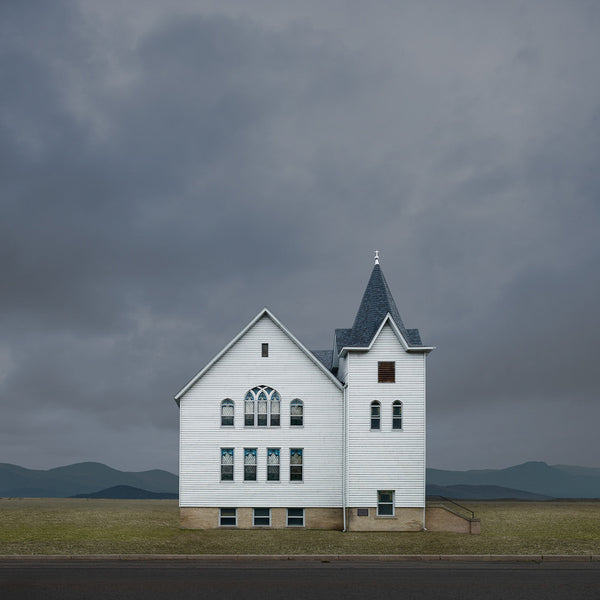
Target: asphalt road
(295, 580)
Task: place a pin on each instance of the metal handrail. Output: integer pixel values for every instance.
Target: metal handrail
(455, 503)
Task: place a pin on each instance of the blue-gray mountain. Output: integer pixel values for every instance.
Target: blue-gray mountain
(535, 479)
(557, 481)
(80, 478)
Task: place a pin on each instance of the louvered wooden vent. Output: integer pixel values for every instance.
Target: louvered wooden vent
(386, 372)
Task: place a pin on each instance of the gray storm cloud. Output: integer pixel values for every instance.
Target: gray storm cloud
(168, 171)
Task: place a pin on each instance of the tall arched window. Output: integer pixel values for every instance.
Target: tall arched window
(262, 407)
(227, 410)
(249, 409)
(396, 414)
(375, 415)
(296, 413)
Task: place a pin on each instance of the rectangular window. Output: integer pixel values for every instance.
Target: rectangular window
(273, 464)
(386, 372)
(226, 464)
(397, 415)
(295, 517)
(262, 517)
(296, 464)
(249, 464)
(362, 512)
(265, 350)
(228, 517)
(375, 415)
(385, 503)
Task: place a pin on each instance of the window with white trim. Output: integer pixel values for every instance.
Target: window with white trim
(228, 517)
(296, 464)
(396, 414)
(375, 415)
(385, 503)
(295, 517)
(226, 464)
(262, 407)
(273, 455)
(296, 413)
(262, 517)
(249, 464)
(227, 412)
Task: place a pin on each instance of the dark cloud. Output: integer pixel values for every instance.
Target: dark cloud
(167, 172)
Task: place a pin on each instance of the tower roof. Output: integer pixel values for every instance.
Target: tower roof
(376, 303)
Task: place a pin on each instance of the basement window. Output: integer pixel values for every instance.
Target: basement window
(228, 517)
(385, 503)
(386, 372)
(295, 517)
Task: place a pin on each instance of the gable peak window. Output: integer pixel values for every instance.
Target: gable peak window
(375, 415)
(386, 371)
(227, 410)
(396, 414)
(264, 351)
(262, 407)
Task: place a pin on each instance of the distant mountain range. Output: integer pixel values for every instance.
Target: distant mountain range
(556, 481)
(80, 478)
(127, 492)
(529, 481)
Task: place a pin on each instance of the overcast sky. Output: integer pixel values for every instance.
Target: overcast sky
(169, 168)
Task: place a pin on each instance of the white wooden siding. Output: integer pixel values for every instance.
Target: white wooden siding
(288, 370)
(386, 459)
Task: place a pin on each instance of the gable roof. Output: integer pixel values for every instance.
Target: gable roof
(264, 312)
(376, 304)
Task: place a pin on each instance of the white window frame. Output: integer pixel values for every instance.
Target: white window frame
(255, 516)
(232, 464)
(288, 517)
(301, 465)
(251, 401)
(247, 463)
(300, 403)
(278, 454)
(222, 516)
(224, 403)
(397, 403)
(375, 404)
(380, 503)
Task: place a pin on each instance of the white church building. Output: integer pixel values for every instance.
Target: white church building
(273, 434)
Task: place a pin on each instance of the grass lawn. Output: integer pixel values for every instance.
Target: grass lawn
(72, 526)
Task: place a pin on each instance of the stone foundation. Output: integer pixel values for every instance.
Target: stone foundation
(404, 519)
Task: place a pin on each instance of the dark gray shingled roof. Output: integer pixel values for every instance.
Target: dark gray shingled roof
(376, 303)
(325, 357)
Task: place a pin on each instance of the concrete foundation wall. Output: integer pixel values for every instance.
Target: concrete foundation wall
(442, 519)
(405, 519)
(208, 518)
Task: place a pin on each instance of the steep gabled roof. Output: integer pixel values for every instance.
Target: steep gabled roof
(265, 312)
(377, 302)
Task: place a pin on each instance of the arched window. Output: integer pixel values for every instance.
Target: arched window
(296, 413)
(275, 409)
(262, 407)
(397, 414)
(227, 409)
(375, 415)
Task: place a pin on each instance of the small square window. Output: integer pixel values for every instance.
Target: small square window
(295, 517)
(265, 350)
(262, 517)
(228, 517)
(385, 503)
(386, 372)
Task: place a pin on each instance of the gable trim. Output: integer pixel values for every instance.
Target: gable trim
(388, 319)
(284, 329)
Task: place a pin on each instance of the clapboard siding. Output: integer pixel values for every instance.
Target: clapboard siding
(289, 370)
(386, 459)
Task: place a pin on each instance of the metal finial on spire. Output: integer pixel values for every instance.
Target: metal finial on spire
(376, 257)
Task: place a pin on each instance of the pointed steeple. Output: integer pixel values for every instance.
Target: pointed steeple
(376, 303)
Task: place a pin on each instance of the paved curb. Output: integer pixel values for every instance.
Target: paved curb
(538, 558)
